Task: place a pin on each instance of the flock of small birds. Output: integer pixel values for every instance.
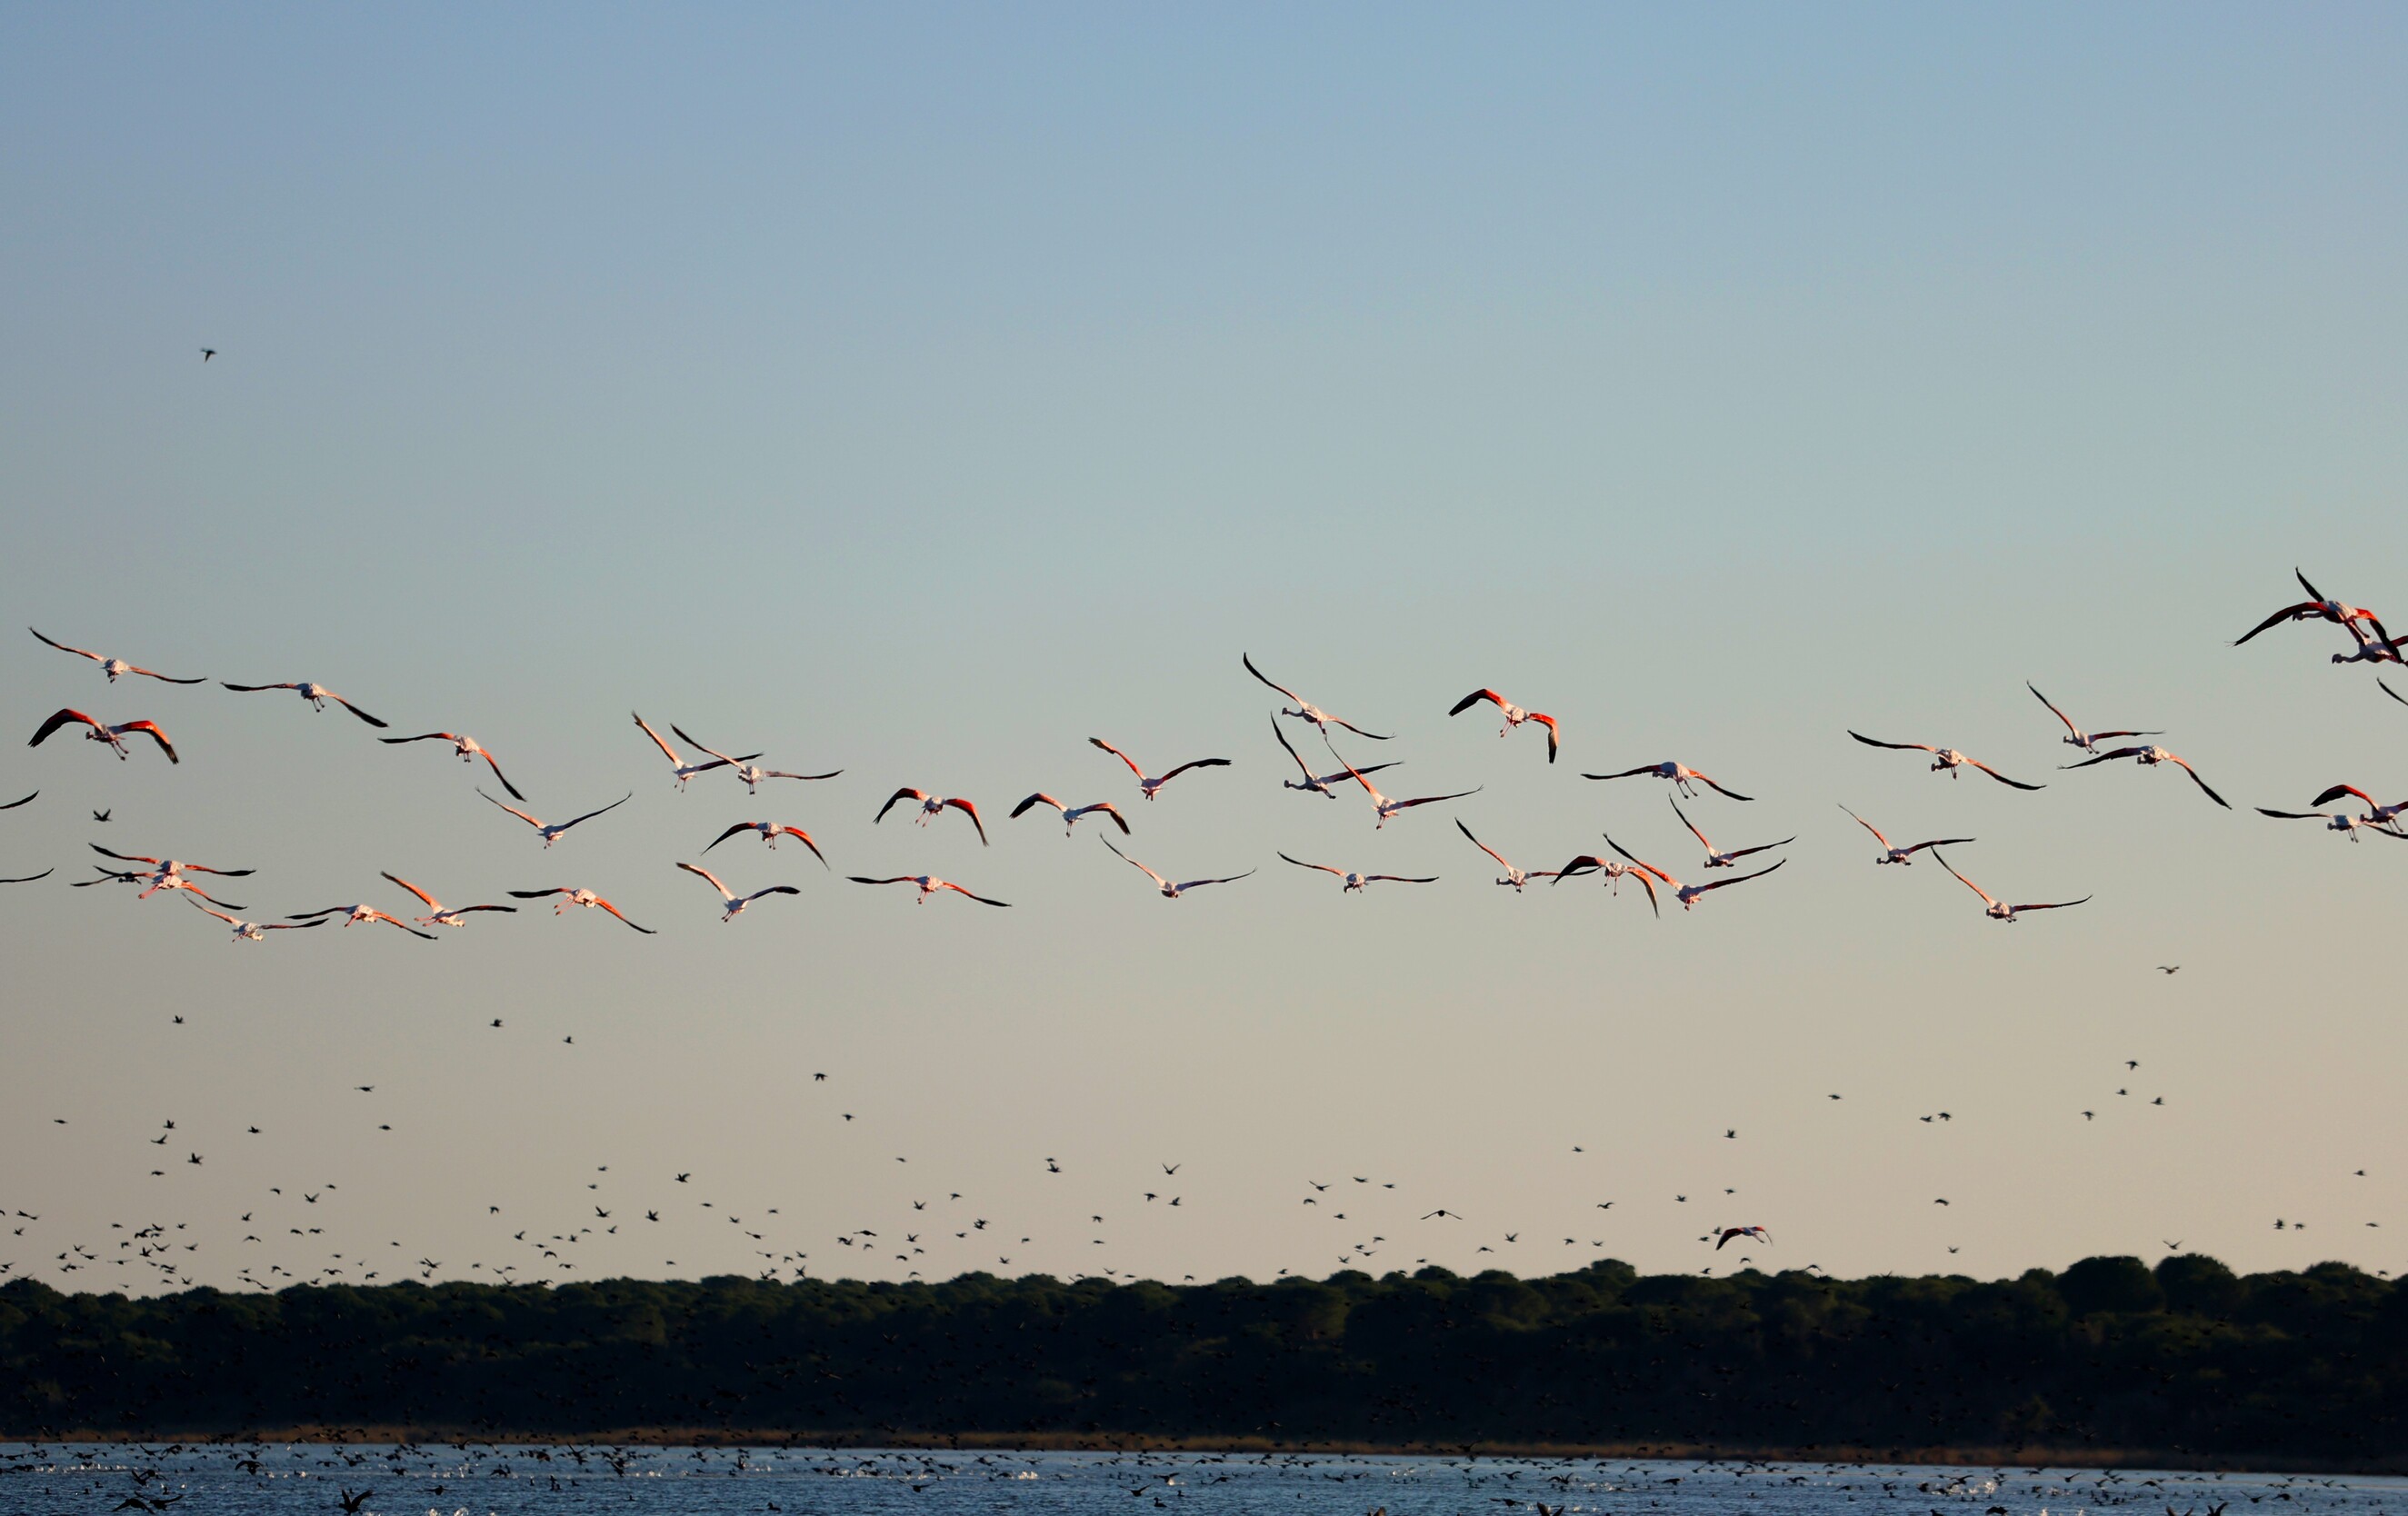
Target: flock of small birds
(157, 1477)
(688, 760)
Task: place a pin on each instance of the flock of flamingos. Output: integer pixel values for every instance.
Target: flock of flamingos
(2369, 643)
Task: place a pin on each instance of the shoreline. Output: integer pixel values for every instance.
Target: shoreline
(2031, 1455)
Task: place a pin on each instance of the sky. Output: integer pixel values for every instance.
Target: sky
(922, 391)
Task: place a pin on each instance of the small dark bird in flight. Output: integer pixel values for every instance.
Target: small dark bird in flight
(98, 815)
(2169, 968)
(207, 353)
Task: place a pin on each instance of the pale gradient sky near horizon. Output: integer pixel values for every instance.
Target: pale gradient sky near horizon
(922, 391)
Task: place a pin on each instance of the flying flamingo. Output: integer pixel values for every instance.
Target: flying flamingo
(1998, 910)
(2379, 815)
(2347, 824)
(1680, 775)
(166, 872)
(1387, 808)
(1689, 894)
(442, 915)
(2320, 608)
(1945, 758)
(733, 903)
(152, 881)
(1147, 786)
(750, 772)
(1514, 716)
(1612, 870)
(1902, 855)
(1351, 883)
(257, 931)
(2086, 741)
(354, 914)
(100, 732)
(1170, 891)
(1071, 814)
(551, 834)
(317, 695)
(1305, 710)
(469, 749)
(930, 884)
(684, 770)
(932, 806)
(2152, 756)
(1758, 1233)
(1513, 876)
(115, 666)
(1310, 782)
(770, 832)
(2371, 649)
(577, 898)
(1724, 860)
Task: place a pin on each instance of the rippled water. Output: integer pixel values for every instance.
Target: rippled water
(499, 1481)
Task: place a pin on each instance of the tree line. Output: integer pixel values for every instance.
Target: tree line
(2187, 1358)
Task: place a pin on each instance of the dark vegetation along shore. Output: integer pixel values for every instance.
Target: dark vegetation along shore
(2186, 1360)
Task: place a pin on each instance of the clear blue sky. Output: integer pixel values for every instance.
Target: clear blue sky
(923, 390)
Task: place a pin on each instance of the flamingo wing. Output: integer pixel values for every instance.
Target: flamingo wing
(129, 858)
(1197, 885)
(899, 795)
(2052, 905)
(431, 903)
(202, 908)
(1653, 902)
(2203, 787)
(1626, 774)
(538, 895)
(1430, 799)
(1585, 863)
(1241, 658)
(900, 878)
(739, 827)
(1400, 878)
(254, 689)
(2288, 613)
(948, 884)
(805, 838)
(2334, 794)
(2045, 700)
(29, 878)
(499, 774)
(1039, 798)
(971, 812)
(591, 814)
(666, 751)
(1134, 864)
(2016, 784)
(63, 648)
(1197, 763)
(14, 804)
(1283, 742)
(1554, 736)
(2392, 693)
(1876, 742)
(782, 773)
(1761, 847)
(2119, 753)
(1939, 842)
(1692, 827)
(1870, 827)
(709, 878)
(1474, 698)
(60, 717)
(614, 910)
(515, 811)
(1113, 812)
(683, 736)
(1323, 868)
(1481, 846)
(1117, 754)
(1645, 866)
(423, 736)
(164, 678)
(1359, 732)
(1742, 878)
(1717, 787)
(151, 730)
(2293, 815)
(1942, 861)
